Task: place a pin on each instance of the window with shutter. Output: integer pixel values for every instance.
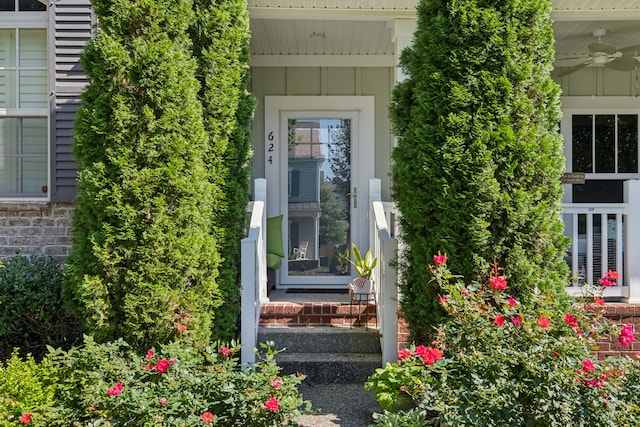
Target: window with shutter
(24, 106)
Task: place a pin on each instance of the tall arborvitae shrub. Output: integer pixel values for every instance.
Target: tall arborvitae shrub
(477, 168)
(144, 259)
(220, 34)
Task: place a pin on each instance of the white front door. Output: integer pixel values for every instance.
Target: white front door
(319, 157)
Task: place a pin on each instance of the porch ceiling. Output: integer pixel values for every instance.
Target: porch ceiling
(350, 32)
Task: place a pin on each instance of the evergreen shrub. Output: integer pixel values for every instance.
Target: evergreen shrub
(33, 313)
(477, 167)
(220, 35)
(144, 259)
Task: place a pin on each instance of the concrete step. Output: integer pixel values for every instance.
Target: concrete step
(327, 368)
(326, 354)
(322, 339)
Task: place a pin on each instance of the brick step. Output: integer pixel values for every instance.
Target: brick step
(281, 313)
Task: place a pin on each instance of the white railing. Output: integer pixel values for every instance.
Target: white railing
(253, 274)
(606, 237)
(385, 248)
(597, 236)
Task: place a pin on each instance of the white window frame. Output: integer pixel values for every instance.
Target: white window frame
(602, 105)
(31, 20)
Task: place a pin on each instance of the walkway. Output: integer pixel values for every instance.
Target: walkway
(346, 405)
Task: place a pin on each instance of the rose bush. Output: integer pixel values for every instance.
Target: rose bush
(176, 385)
(509, 364)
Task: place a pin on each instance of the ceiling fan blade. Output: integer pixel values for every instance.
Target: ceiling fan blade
(631, 49)
(573, 69)
(602, 47)
(624, 63)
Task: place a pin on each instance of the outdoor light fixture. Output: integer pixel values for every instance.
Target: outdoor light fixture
(317, 36)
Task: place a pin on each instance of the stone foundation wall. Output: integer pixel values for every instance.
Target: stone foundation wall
(35, 228)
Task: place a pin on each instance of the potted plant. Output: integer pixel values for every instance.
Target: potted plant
(399, 386)
(363, 284)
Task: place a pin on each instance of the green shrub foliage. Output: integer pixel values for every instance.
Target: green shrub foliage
(144, 257)
(109, 384)
(477, 168)
(33, 313)
(220, 34)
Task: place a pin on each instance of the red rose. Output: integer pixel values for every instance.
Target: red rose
(162, 365)
(207, 417)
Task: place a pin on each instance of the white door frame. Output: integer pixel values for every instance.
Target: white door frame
(360, 109)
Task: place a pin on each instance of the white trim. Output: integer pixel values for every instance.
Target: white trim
(360, 109)
(24, 112)
(23, 20)
(322, 61)
(333, 13)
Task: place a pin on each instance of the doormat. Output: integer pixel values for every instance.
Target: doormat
(317, 291)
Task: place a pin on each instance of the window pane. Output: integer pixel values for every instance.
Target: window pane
(7, 5)
(8, 89)
(628, 143)
(9, 137)
(34, 136)
(31, 6)
(8, 175)
(33, 89)
(34, 175)
(582, 142)
(7, 48)
(605, 143)
(33, 48)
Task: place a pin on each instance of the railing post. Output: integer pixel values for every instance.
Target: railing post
(253, 275)
(386, 249)
(632, 240)
(248, 303)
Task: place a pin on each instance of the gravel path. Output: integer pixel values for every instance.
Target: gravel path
(346, 405)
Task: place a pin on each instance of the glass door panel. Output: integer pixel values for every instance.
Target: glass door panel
(318, 196)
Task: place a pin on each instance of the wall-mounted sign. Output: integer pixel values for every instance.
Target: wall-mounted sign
(573, 178)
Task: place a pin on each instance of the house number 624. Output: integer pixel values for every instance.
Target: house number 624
(270, 148)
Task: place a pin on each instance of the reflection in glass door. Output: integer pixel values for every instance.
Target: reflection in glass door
(319, 202)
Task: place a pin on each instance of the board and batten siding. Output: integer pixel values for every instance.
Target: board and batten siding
(327, 81)
(72, 24)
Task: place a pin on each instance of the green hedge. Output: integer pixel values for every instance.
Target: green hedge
(33, 314)
(220, 35)
(144, 259)
(476, 172)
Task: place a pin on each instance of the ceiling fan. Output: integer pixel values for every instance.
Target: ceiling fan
(603, 54)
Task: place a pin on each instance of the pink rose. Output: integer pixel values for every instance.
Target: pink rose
(440, 259)
(272, 404)
(207, 417)
(626, 335)
(404, 353)
(517, 320)
(162, 365)
(543, 322)
(498, 283)
(116, 390)
(588, 365)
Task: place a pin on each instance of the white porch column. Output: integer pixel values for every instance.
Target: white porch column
(632, 240)
(403, 30)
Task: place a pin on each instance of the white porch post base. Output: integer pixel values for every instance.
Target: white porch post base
(632, 242)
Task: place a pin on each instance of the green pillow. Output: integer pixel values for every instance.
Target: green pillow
(274, 236)
(274, 261)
